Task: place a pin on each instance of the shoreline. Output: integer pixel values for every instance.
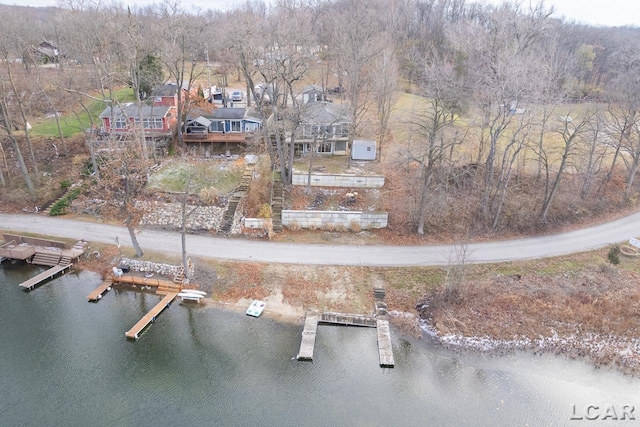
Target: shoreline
(618, 353)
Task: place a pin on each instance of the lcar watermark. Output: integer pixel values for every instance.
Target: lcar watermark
(606, 412)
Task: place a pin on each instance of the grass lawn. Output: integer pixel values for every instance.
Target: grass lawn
(173, 176)
(72, 123)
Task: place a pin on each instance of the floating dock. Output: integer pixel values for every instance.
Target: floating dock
(97, 293)
(380, 321)
(134, 332)
(308, 336)
(35, 281)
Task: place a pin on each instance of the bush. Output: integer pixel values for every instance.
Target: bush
(210, 195)
(614, 255)
(65, 184)
(265, 211)
(60, 207)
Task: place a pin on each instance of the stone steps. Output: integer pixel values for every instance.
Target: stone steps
(241, 191)
(276, 202)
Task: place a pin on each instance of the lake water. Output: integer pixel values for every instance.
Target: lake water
(66, 362)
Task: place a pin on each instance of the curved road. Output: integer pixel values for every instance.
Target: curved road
(361, 255)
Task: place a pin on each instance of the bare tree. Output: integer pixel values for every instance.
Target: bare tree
(571, 131)
(123, 169)
(384, 92)
(592, 153)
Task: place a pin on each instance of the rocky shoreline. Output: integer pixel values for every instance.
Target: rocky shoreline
(621, 353)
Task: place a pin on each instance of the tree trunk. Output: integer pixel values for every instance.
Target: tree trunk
(134, 239)
(24, 122)
(183, 237)
(311, 155)
(424, 197)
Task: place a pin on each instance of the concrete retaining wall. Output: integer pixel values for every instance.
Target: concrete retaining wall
(339, 180)
(334, 219)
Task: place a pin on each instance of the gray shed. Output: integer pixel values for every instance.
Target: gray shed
(363, 149)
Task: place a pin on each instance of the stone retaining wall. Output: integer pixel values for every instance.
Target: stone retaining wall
(170, 215)
(334, 219)
(339, 180)
(152, 267)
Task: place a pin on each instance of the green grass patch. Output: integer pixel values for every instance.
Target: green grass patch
(174, 176)
(72, 123)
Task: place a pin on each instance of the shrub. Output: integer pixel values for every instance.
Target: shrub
(355, 226)
(265, 211)
(210, 195)
(614, 255)
(60, 207)
(65, 184)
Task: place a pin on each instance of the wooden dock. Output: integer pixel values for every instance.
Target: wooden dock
(380, 321)
(145, 281)
(348, 319)
(35, 281)
(97, 293)
(308, 336)
(134, 332)
(385, 351)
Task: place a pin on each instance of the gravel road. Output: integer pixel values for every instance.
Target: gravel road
(362, 255)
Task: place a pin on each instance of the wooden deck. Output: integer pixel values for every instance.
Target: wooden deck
(97, 293)
(145, 281)
(35, 281)
(134, 332)
(215, 137)
(308, 336)
(21, 251)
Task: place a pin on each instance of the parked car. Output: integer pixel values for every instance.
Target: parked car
(336, 90)
(237, 96)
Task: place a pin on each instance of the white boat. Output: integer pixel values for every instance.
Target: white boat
(194, 291)
(190, 296)
(256, 307)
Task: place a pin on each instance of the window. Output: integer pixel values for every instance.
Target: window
(236, 126)
(324, 147)
(342, 129)
(120, 123)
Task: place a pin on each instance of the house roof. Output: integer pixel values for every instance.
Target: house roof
(220, 114)
(131, 111)
(168, 89)
(324, 113)
(311, 88)
(203, 121)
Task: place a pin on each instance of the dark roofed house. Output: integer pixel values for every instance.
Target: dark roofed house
(327, 125)
(166, 94)
(222, 125)
(47, 52)
(312, 93)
